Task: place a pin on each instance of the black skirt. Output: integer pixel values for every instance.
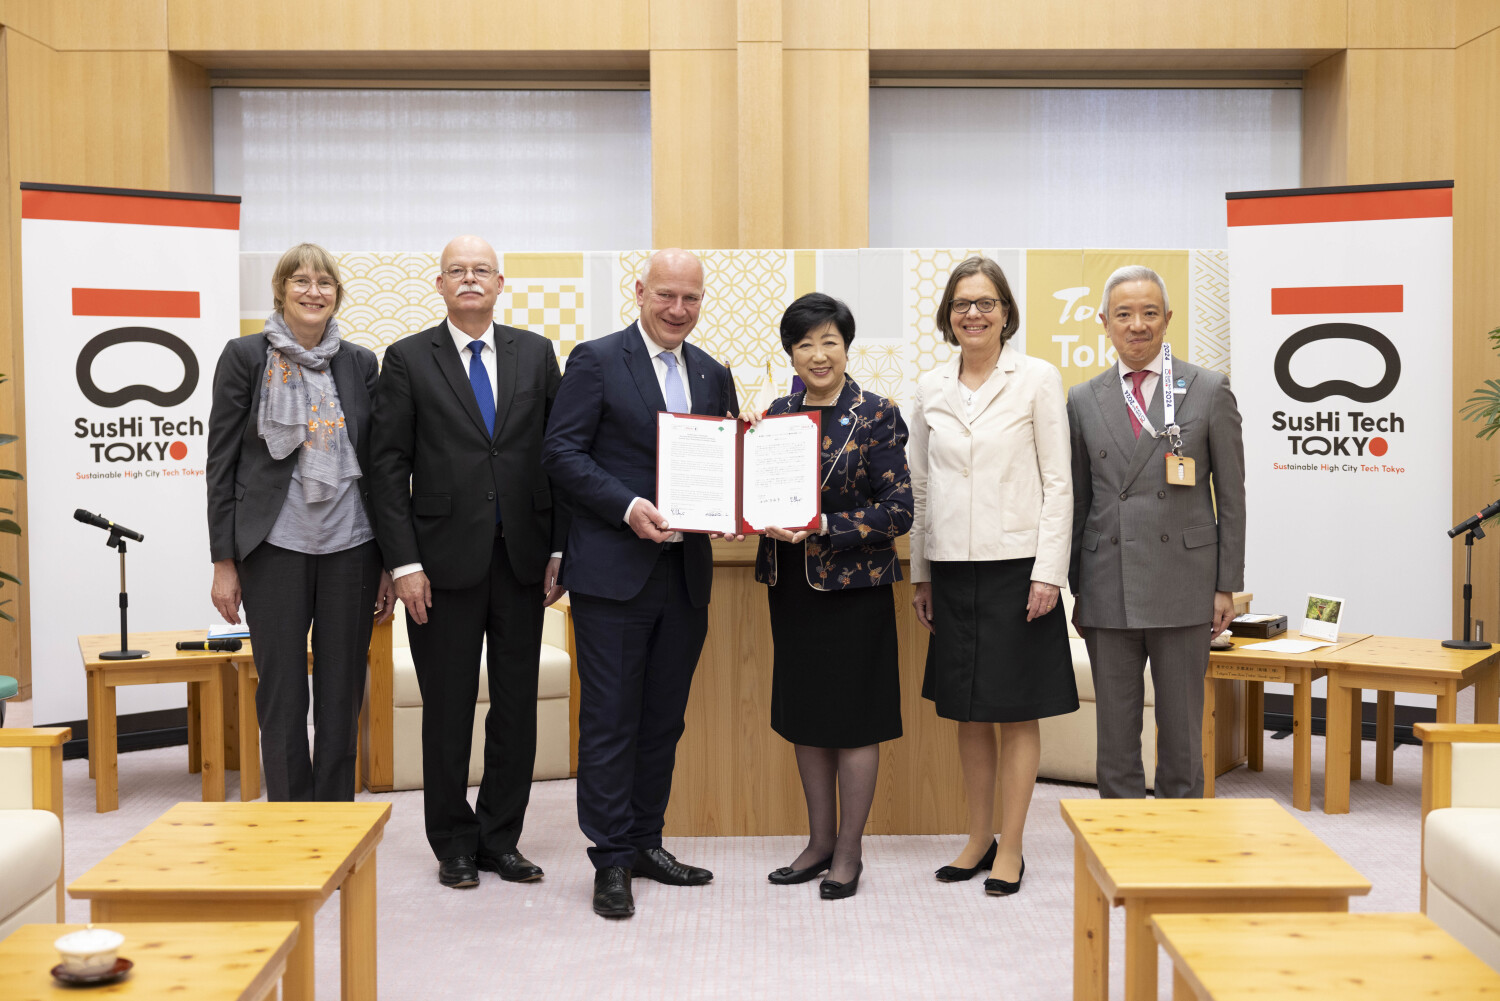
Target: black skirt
(985, 662)
(835, 680)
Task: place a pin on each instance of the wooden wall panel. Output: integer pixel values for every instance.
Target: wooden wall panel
(826, 162)
(13, 456)
(1325, 123)
(89, 24)
(758, 20)
(1401, 24)
(760, 186)
(694, 24)
(694, 149)
(1127, 24)
(826, 24)
(1400, 115)
(1473, 18)
(190, 128)
(296, 25)
(1476, 306)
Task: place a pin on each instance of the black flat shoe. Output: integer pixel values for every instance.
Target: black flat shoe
(833, 890)
(786, 875)
(1004, 887)
(513, 867)
(953, 874)
(612, 896)
(459, 872)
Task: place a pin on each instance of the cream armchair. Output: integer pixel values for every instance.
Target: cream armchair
(1461, 832)
(391, 723)
(31, 832)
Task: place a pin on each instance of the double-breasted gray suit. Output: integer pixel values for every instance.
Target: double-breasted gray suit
(1147, 558)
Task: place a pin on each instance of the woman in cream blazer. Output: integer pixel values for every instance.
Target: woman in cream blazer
(992, 490)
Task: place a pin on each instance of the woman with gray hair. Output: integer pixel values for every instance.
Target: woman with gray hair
(290, 525)
(992, 489)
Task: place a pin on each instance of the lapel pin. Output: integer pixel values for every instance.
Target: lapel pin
(1182, 383)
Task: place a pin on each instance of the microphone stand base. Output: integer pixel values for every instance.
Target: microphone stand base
(1466, 645)
(138, 654)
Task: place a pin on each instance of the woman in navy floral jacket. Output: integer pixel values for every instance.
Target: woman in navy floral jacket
(835, 690)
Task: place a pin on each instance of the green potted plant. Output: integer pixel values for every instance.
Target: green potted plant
(1484, 405)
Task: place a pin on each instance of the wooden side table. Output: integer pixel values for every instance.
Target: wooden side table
(1374, 957)
(259, 861)
(1255, 668)
(1391, 664)
(1156, 856)
(206, 961)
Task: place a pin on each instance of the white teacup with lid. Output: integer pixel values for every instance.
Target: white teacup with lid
(89, 951)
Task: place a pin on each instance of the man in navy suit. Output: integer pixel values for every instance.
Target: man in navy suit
(639, 590)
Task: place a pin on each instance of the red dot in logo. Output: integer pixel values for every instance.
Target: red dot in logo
(1377, 446)
(178, 450)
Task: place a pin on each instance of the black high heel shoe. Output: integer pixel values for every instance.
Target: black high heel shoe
(786, 875)
(1004, 887)
(953, 874)
(831, 889)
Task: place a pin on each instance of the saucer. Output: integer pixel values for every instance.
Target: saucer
(64, 975)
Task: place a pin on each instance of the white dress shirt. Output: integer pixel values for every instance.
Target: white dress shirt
(1148, 384)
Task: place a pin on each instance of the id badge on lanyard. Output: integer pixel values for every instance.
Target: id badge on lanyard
(1179, 470)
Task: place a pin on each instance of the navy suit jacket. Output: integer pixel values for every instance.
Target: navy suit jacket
(600, 451)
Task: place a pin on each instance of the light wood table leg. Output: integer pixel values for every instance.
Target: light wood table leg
(1181, 989)
(1302, 743)
(1255, 725)
(211, 715)
(1090, 933)
(249, 735)
(1140, 952)
(1487, 694)
(91, 680)
(300, 982)
(1385, 737)
(195, 729)
(231, 710)
(107, 759)
(1447, 703)
(1336, 750)
(1356, 733)
(1210, 736)
(357, 922)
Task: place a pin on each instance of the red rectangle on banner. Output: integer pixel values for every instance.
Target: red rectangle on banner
(75, 206)
(1346, 206)
(134, 302)
(1337, 299)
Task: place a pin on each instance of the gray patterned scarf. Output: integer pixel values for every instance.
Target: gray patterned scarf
(294, 413)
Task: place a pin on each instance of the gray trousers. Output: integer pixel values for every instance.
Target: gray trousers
(1179, 659)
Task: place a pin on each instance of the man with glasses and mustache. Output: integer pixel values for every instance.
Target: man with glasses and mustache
(466, 522)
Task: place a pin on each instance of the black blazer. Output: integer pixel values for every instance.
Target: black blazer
(246, 487)
(437, 472)
(601, 452)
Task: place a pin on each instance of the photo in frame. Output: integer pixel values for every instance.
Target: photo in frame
(1324, 613)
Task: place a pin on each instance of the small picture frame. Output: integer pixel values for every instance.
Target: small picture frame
(1324, 613)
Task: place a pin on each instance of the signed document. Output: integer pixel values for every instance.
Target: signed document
(715, 474)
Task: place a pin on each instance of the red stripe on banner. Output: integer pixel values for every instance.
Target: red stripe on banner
(134, 302)
(1337, 299)
(1353, 206)
(73, 206)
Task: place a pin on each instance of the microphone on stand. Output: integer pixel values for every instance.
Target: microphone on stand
(1472, 522)
(99, 521)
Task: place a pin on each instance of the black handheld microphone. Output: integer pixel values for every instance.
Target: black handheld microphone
(99, 521)
(217, 646)
(1473, 520)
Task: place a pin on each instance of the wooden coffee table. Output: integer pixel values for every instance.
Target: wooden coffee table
(1391, 664)
(1155, 856)
(1255, 668)
(206, 961)
(261, 861)
(1374, 957)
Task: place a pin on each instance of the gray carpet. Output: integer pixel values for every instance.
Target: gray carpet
(903, 936)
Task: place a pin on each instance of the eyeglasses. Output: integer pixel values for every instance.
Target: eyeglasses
(961, 306)
(300, 284)
(481, 273)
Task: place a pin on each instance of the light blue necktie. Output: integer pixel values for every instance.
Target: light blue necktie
(479, 379)
(676, 399)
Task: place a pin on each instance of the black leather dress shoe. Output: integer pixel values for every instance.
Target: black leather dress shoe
(832, 889)
(513, 867)
(662, 866)
(612, 896)
(953, 874)
(1004, 887)
(458, 872)
(786, 875)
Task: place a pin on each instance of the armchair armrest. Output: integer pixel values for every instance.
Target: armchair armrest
(46, 744)
(1438, 740)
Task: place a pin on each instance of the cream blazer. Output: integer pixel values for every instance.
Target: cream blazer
(997, 486)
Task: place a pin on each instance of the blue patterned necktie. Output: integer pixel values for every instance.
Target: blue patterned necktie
(479, 379)
(676, 399)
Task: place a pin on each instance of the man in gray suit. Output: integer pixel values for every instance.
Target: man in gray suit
(1156, 443)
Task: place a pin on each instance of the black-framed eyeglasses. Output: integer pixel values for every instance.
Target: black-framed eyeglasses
(961, 306)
